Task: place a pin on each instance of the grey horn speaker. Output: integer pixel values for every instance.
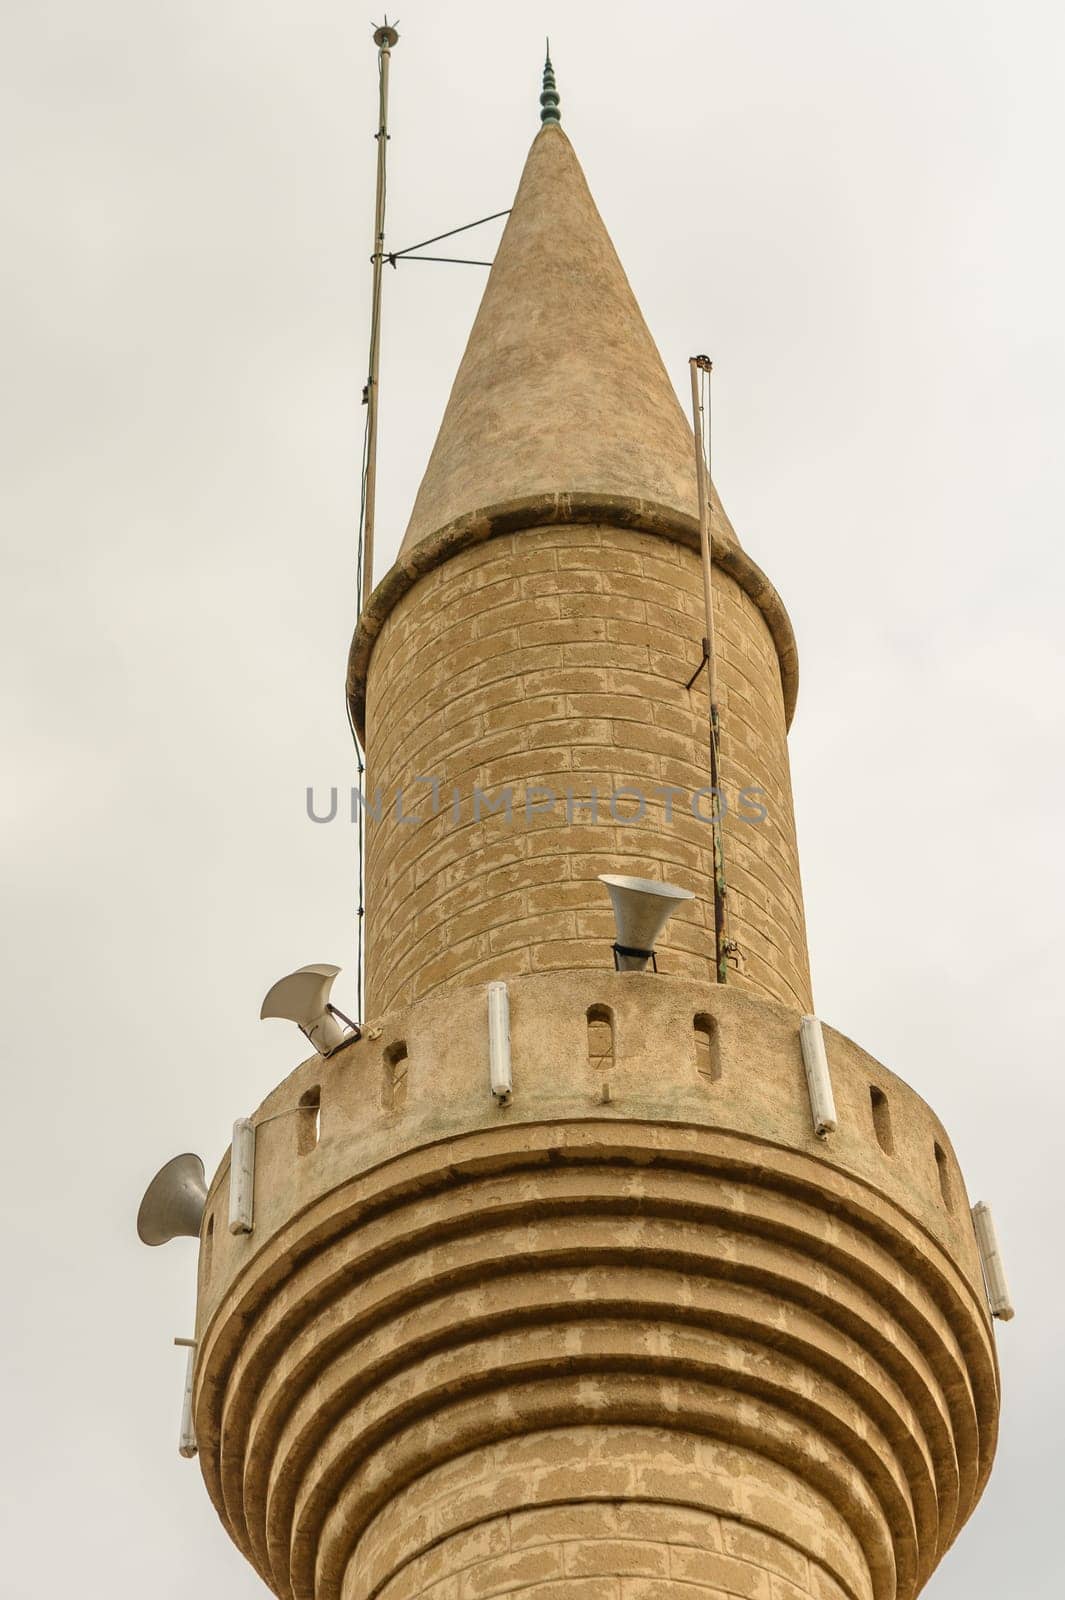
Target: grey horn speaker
(303, 998)
(642, 907)
(173, 1202)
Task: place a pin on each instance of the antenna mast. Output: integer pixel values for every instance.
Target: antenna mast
(385, 38)
(722, 943)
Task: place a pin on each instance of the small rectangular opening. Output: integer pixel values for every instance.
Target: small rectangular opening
(946, 1187)
(309, 1120)
(882, 1120)
(396, 1075)
(707, 1048)
(600, 1038)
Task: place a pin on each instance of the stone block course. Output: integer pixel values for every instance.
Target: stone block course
(516, 1572)
(616, 1557)
(712, 1570)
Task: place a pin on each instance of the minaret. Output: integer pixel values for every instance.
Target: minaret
(537, 634)
(633, 1330)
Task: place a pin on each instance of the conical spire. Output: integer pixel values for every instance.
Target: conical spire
(561, 390)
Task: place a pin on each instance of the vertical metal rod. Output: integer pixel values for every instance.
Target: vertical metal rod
(385, 37)
(696, 365)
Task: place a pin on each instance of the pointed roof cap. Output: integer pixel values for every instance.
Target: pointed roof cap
(561, 390)
(549, 96)
(561, 411)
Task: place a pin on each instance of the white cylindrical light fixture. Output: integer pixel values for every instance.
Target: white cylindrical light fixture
(818, 1079)
(187, 1446)
(499, 1041)
(242, 1176)
(998, 1294)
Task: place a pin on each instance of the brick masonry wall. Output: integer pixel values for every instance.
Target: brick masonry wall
(602, 1550)
(559, 657)
(454, 1313)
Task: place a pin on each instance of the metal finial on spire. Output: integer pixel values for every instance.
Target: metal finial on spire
(549, 99)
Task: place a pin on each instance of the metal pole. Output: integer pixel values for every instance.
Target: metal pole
(385, 37)
(696, 365)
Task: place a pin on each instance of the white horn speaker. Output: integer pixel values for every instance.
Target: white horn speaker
(642, 907)
(303, 998)
(173, 1202)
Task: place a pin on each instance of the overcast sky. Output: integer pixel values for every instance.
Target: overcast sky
(856, 210)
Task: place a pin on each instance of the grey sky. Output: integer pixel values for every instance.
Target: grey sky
(856, 210)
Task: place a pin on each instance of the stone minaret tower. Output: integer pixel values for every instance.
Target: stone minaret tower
(634, 1333)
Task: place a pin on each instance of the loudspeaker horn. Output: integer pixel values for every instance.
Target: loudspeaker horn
(642, 907)
(303, 998)
(173, 1202)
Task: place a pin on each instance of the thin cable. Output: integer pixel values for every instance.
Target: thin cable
(715, 751)
(457, 261)
(360, 824)
(466, 226)
(360, 874)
